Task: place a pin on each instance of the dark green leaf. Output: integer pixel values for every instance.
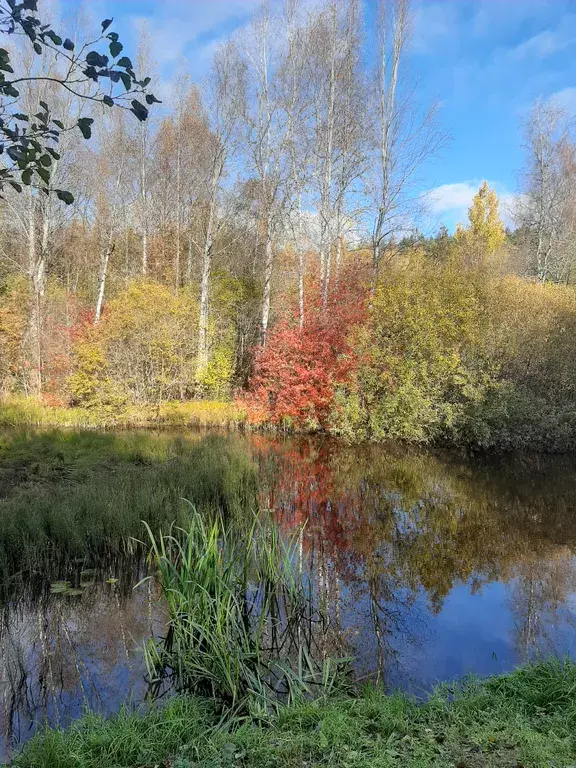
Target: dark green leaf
(125, 62)
(66, 197)
(21, 116)
(151, 99)
(44, 174)
(115, 48)
(108, 101)
(55, 155)
(17, 187)
(113, 36)
(127, 80)
(44, 106)
(95, 59)
(139, 110)
(106, 23)
(91, 73)
(56, 39)
(27, 176)
(46, 160)
(68, 44)
(59, 124)
(38, 48)
(85, 125)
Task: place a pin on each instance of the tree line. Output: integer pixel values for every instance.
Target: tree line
(256, 223)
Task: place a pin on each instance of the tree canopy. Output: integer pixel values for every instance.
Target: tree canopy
(94, 70)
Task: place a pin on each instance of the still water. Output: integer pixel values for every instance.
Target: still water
(433, 566)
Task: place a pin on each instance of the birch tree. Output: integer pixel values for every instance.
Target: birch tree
(226, 104)
(547, 204)
(406, 135)
(144, 149)
(111, 173)
(268, 132)
(296, 86)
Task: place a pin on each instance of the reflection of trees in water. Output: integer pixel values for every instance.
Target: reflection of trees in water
(59, 654)
(538, 598)
(385, 524)
(388, 529)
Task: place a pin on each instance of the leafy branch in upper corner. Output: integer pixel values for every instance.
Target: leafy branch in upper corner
(93, 71)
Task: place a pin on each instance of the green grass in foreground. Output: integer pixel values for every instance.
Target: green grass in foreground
(526, 719)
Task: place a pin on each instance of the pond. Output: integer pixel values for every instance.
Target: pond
(432, 566)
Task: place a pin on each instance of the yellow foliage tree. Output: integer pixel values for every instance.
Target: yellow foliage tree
(142, 351)
(485, 234)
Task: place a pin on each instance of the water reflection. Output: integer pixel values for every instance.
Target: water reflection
(61, 654)
(439, 566)
(431, 566)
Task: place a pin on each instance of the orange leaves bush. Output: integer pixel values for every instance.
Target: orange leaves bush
(297, 372)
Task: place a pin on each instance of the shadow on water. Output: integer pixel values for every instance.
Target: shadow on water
(431, 565)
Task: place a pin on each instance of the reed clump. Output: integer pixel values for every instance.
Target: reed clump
(243, 628)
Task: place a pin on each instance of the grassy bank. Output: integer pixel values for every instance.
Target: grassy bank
(66, 495)
(522, 719)
(28, 412)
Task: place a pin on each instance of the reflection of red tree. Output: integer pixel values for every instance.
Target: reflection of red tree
(404, 518)
(302, 492)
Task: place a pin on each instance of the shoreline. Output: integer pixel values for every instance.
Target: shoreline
(521, 718)
(226, 415)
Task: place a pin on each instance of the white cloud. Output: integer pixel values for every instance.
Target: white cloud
(492, 16)
(451, 197)
(451, 201)
(543, 44)
(434, 23)
(566, 99)
(182, 23)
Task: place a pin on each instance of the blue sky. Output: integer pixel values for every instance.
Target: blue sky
(485, 61)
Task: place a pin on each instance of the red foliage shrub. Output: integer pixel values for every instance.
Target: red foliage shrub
(296, 374)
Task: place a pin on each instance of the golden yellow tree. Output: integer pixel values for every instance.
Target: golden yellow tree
(485, 234)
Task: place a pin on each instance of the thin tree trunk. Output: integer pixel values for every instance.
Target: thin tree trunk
(325, 245)
(338, 261)
(205, 295)
(301, 263)
(36, 267)
(103, 274)
(189, 258)
(178, 207)
(301, 269)
(268, 267)
(109, 246)
(144, 202)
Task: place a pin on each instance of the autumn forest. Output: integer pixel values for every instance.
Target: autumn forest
(261, 240)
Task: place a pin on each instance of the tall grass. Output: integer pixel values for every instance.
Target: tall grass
(242, 626)
(67, 495)
(16, 411)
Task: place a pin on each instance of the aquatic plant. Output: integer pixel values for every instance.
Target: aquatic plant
(242, 626)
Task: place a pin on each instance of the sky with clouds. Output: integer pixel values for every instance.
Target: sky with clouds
(485, 61)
